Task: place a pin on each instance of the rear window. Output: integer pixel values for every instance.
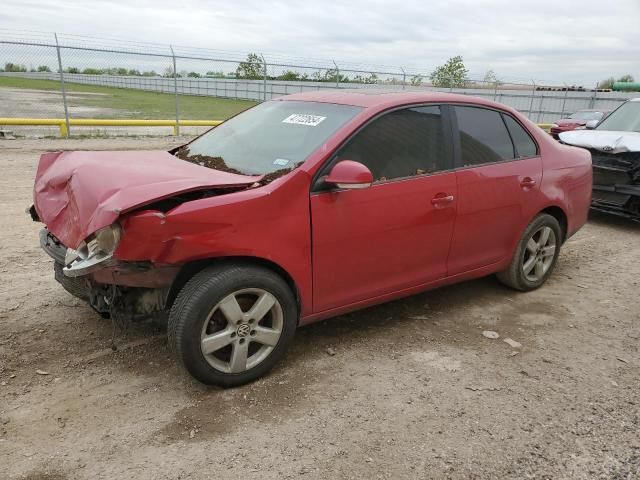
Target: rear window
(483, 136)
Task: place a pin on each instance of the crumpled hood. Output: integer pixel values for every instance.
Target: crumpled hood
(77, 193)
(603, 140)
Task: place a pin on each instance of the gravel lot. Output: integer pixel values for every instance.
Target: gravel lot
(414, 390)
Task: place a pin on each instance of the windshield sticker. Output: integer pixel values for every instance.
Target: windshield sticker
(304, 119)
(281, 162)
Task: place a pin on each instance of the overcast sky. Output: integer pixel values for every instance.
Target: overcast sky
(569, 41)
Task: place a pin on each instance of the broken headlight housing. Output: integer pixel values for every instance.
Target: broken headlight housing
(94, 253)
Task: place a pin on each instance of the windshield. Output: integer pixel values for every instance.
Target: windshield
(586, 116)
(270, 139)
(625, 119)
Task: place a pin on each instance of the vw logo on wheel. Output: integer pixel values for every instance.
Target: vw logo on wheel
(243, 330)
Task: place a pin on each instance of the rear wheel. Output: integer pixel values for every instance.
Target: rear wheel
(536, 255)
(230, 325)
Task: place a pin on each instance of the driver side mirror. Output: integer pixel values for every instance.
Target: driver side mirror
(591, 124)
(349, 175)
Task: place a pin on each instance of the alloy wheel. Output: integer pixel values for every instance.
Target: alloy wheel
(539, 254)
(242, 330)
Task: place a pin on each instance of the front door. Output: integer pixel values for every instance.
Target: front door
(395, 234)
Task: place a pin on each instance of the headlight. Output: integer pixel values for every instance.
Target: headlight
(95, 252)
(105, 240)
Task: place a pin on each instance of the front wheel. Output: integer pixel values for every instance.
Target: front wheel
(536, 255)
(230, 324)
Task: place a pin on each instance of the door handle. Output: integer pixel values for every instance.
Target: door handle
(528, 182)
(442, 199)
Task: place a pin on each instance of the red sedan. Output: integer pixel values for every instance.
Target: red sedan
(306, 207)
(577, 121)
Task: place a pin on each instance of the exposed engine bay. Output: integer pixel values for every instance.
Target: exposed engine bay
(615, 157)
(121, 303)
(616, 183)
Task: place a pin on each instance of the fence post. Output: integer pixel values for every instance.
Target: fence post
(176, 129)
(337, 74)
(533, 95)
(63, 89)
(564, 100)
(264, 78)
(540, 107)
(404, 78)
(592, 102)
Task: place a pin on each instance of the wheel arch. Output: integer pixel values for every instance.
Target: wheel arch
(189, 269)
(560, 215)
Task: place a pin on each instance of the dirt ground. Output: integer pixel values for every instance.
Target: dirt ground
(414, 389)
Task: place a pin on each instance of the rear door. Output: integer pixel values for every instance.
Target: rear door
(499, 172)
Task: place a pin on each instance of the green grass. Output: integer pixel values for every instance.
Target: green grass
(132, 103)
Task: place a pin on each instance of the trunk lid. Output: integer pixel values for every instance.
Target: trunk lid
(77, 193)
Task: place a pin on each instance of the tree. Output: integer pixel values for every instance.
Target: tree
(43, 68)
(193, 75)
(217, 74)
(626, 78)
(169, 73)
(450, 75)
(289, 75)
(251, 69)
(606, 84)
(416, 80)
(332, 75)
(14, 67)
(491, 78)
(372, 79)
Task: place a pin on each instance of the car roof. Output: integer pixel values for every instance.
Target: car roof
(379, 98)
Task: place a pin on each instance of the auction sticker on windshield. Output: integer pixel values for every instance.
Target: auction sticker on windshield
(304, 119)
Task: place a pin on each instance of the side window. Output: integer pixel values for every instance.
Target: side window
(483, 136)
(402, 143)
(525, 146)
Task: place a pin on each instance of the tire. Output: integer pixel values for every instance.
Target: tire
(534, 249)
(230, 324)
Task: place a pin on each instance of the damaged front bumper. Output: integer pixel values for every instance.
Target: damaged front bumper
(125, 291)
(616, 183)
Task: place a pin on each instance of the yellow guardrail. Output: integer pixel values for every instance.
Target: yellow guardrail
(105, 122)
(61, 123)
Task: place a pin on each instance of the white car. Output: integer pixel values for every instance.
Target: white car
(615, 150)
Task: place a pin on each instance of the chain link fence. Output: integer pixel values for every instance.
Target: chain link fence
(46, 75)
